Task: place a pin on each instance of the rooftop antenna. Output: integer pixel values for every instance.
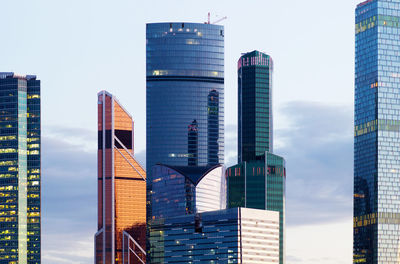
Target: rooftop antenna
(219, 20)
(215, 22)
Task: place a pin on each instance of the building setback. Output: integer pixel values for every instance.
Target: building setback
(121, 188)
(258, 181)
(238, 235)
(20, 169)
(260, 184)
(377, 133)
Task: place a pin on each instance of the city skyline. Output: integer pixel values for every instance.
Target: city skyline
(290, 115)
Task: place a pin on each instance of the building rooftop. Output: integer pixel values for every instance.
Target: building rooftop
(364, 3)
(10, 75)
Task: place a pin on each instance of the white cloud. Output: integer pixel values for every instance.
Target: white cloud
(328, 243)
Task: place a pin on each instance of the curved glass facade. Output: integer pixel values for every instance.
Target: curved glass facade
(185, 190)
(185, 94)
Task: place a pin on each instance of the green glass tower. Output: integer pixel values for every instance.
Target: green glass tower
(260, 184)
(258, 180)
(255, 106)
(19, 169)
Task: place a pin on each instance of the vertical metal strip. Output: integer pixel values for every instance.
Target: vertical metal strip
(112, 181)
(245, 183)
(271, 117)
(133, 137)
(266, 179)
(104, 178)
(241, 116)
(95, 249)
(240, 234)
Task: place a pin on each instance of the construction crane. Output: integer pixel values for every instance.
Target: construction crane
(215, 22)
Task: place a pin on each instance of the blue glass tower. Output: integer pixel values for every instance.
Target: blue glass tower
(185, 94)
(19, 169)
(377, 133)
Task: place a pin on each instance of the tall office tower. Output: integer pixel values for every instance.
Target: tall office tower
(259, 179)
(121, 188)
(185, 83)
(255, 106)
(377, 133)
(260, 185)
(182, 190)
(238, 235)
(20, 205)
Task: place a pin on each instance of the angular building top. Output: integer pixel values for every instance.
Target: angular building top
(121, 187)
(255, 123)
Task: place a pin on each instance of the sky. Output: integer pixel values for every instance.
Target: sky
(78, 48)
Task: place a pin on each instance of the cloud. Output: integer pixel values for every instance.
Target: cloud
(318, 148)
(328, 243)
(231, 145)
(316, 141)
(69, 199)
(69, 194)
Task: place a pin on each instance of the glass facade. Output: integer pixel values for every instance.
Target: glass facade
(19, 169)
(377, 133)
(182, 190)
(185, 94)
(260, 185)
(236, 235)
(121, 186)
(255, 106)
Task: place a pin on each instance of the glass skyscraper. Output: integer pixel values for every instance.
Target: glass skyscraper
(377, 133)
(238, 235)
(260, 184)
(20, 169)
(185, 94)
(121, 235)
(259, 179)
(255, 131)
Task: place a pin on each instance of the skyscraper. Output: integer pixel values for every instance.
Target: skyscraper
(121, 187)
(377, 133)
(260, 184)
(255, 131)
(185, 91)
(259, 179)
(20, 169)
(238, 235)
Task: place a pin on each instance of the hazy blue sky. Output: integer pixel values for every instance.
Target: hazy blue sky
(79, 47)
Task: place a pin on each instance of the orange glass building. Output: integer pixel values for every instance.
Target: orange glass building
(121, 236)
